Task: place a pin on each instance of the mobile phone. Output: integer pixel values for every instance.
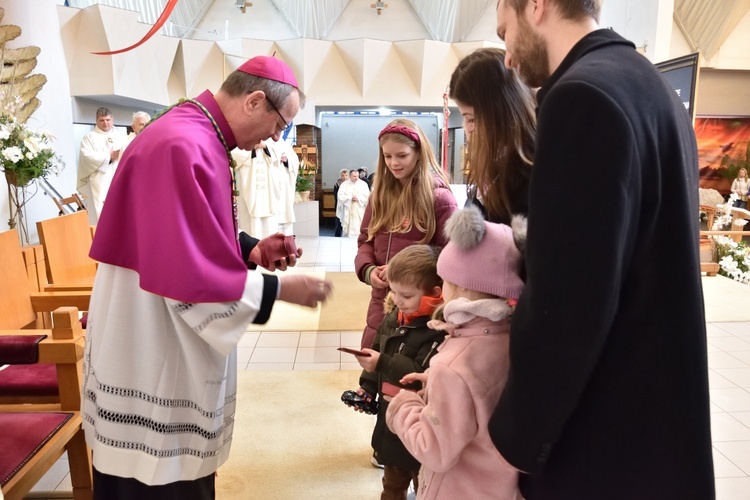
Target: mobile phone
(390, 389)
(354, 351)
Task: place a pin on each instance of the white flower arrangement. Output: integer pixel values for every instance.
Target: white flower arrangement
(25, 154)
(733, 257)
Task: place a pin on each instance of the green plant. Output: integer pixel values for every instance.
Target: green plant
(24, 154)
(304, 183)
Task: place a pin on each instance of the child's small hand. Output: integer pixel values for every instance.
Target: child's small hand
(377, 277)
(368, 363)
(410, 378)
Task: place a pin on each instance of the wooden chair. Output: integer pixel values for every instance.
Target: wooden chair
(67, 241)
(73, 199)
(329, 204)
(63, 348)
(24, 384)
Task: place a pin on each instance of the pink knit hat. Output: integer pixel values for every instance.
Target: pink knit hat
(271, 68)
(482, 256)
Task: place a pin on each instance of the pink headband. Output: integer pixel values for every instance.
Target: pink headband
(400, 129)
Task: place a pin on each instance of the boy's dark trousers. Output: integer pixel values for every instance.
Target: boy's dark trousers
(396, 482)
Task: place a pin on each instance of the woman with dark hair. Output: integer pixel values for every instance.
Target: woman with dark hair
(499, 123)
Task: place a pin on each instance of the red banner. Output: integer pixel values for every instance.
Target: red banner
(722, 150)
(157, 25)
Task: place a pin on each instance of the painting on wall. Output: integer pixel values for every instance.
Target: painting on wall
(723, 148)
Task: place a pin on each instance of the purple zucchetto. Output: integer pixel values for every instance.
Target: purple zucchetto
(271, 68)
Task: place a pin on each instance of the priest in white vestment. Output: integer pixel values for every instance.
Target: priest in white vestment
(285, 166)
(266, 178)
(97, 162)
(352, 197)
(258, 199)
(140, 119)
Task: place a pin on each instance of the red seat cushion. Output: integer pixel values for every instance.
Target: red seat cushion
(22, 436)
(28, 380)
(19, 349)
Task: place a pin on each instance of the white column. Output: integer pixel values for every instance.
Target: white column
(647, 23)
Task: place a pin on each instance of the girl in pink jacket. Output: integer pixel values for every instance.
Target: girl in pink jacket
(446, 427)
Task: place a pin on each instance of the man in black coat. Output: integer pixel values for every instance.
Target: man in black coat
(607, 396)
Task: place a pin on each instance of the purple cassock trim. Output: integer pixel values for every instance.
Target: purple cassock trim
(168, 214)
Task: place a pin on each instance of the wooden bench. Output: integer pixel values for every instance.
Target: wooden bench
(27, 414)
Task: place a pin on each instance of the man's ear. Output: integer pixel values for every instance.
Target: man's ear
(540, 7)
(437, 291)
(253, 100)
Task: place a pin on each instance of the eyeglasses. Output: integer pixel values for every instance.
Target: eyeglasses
(273, 106)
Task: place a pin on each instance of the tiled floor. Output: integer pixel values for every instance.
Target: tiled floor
(728, 358)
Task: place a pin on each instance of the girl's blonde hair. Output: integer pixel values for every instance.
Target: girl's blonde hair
(398, 207)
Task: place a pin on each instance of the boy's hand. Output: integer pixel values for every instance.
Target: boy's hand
(368, 363)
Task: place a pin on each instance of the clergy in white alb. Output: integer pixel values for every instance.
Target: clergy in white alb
(97, 161)
(284, 169)
(258, 194)
(266, 177)
(140, 119)
(353, 195)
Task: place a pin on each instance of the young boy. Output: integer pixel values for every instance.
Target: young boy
(402, 344)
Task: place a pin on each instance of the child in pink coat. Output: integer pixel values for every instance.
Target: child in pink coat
(446, 427)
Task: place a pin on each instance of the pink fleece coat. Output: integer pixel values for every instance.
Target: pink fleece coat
(447, 430)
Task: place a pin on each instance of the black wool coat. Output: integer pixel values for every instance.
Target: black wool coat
(608, 390)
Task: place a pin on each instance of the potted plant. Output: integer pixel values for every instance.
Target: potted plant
(303, 187)
(25, 155)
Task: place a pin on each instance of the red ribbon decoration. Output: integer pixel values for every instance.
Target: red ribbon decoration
(157, 25)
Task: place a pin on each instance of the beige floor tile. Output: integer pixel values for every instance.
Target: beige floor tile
(734, 488)
(721, 359)
(248, 340)
(271, 367)
(731, 399)
(730, 344)
(273, 355)
(316, 366)
(740, 376)
(320, 339)
(318, 355)
(724, 427)
(278, 339)
(723, 467)
(738, 452)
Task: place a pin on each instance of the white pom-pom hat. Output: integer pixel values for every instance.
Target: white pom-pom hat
(481, 255)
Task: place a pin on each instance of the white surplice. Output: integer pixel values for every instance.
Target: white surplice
(161, 414)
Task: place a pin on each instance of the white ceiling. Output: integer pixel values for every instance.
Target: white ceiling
(705, 24)
(443, 20)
